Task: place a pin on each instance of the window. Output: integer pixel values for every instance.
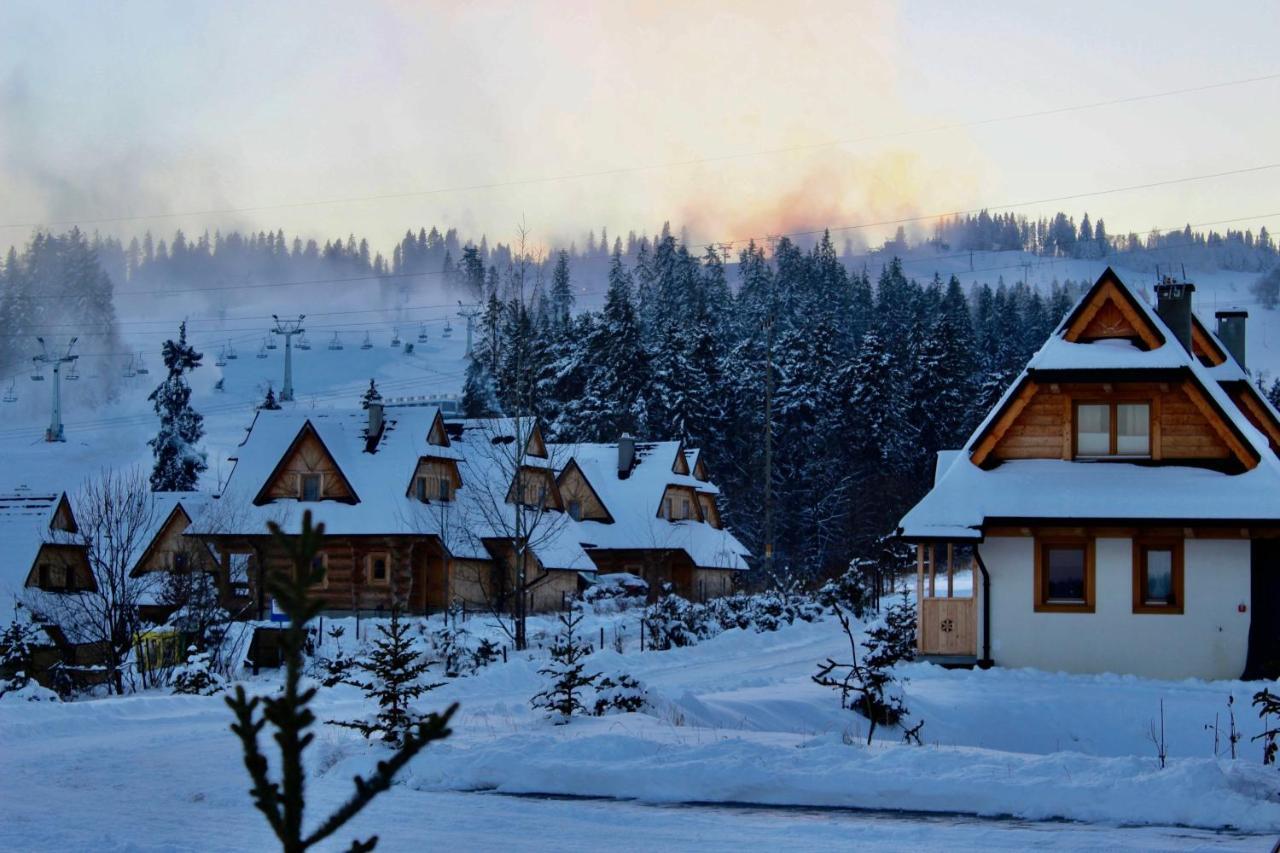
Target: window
(320, 562)
(1113, 429)
(1064, 581)
(666, 509)
(575, 510)
(442, 488)
(53, 576)
(1157, 576)
(311, 487)
(377, 566)
(421, 486)
(684, 508)
(180, 561)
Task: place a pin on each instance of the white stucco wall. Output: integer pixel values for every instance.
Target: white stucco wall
(1208, 640)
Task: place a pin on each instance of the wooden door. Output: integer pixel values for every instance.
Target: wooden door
(948, 626)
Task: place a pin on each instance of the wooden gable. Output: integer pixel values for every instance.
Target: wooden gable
(63, 518)
(1247, 398)
(680, 503)
(438, 435)
(1204, 346)
(168, 541)
(1109, 310)
(574, 486)
(307, 454)
(537, 483)
(435, 469)
(61, 568)
(681, 464)
(536, 445)
(700, 469)
(1038, 422)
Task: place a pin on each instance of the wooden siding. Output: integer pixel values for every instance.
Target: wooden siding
(533, 481)
(1109, 312)
(574, 487)
(678, 497)
(710, 512)
(309, 456)
(435, 470)
(1044, 427)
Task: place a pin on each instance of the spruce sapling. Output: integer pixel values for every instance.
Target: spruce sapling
(395, 671)
(1268, 705)
(563, 695)
(283, 802)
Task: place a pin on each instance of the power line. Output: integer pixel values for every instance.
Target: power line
(625, 170)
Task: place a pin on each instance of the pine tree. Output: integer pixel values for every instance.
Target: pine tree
(283, 803)
(612, 400)
(479, 397)
(178, 462)
(561, 308)
(370, 396)
(270, 404)
(563, 695)
(394, 680)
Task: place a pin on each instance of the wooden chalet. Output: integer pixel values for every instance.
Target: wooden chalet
(42, 556)
(439, 512)
(1119, 507)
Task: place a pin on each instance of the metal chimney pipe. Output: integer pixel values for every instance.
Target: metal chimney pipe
(1231, 326)
(626, 456)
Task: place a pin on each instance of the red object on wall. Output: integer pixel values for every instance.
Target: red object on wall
(1241, 608)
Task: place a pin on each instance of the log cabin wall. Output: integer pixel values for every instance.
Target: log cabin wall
(1045, 427)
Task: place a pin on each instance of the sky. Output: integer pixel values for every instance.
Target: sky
(735, 119)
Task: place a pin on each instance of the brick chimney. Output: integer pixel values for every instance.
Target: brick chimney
(1173, 304)
(626, 456)
(1231, 323)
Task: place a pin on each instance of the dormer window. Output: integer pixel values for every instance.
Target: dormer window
(310, 487)
(1113, 429)
(575, 510)
(421, 489)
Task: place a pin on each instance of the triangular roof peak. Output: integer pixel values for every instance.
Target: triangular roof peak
(438, 434)
(307, 430)
(680, 465)
(1110, 310)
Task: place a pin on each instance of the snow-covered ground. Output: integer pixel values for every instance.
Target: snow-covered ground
(737, 729)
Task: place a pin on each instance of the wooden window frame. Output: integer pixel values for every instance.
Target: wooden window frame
(574, 508)
(368, 568)
(420, 489)
(302, 486)
(1141, 544)
(1113, 403)
(1042, 605)
(443, 490)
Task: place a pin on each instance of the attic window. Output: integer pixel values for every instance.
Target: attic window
(310, 487)
(575, 510)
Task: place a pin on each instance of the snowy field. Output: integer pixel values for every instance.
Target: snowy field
(739, 748)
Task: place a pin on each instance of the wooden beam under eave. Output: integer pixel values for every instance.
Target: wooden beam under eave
(1244, 455)
(1006, 420)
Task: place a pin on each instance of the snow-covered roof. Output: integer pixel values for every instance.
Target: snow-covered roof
(634, 503)
(965, 496)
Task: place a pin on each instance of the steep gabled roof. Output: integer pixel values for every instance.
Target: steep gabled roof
(965, 496)
(572, 465)
(28, 520)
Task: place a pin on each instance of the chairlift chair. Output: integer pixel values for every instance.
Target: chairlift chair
(129, 372)
(262, 351)
(422, 333)
(336, 343)
(222, 358)
(11, 396)
(37, 375)
(395, 337)
(368, 344)
(141, 368)
(231, 352)
(448, 329)
(73, 374)
(303, 343)
(271, 342)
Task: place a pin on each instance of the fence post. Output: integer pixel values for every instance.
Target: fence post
(601, 638)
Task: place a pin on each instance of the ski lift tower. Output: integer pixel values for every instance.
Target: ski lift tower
(469, 312)
(288, 328)
(54, 432)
